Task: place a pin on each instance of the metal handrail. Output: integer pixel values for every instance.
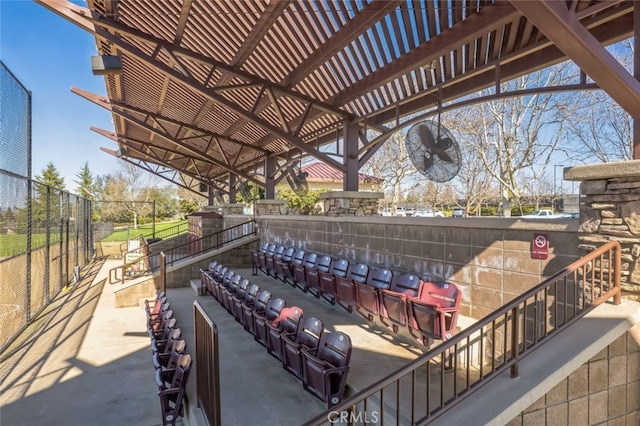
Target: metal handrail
(438, 380)
(194, 247)
(170, 232)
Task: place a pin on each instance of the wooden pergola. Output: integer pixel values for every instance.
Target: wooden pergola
(210, 93)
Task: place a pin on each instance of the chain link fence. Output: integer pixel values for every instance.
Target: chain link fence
(45, 233)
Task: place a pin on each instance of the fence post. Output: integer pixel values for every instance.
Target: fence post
(207, 365)
(515, 353)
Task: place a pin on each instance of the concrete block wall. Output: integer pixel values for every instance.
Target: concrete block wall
(489, 258)
(603, 391)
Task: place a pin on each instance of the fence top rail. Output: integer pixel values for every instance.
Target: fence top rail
(201, 312)
(477, 326)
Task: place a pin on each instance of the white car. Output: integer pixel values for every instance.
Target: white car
(428, 213)
(541, 214)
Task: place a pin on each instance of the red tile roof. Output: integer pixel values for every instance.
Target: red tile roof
(321, 172)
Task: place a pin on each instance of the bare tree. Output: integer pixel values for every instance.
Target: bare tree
(392, 163)
(512, 135)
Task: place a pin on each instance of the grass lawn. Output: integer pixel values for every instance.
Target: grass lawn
(10, 245)
(146, 230)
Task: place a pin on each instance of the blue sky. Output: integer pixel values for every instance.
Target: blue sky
(49, 55)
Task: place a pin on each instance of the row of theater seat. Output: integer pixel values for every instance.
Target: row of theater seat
(172, 364)
(318, 357)
(427, 310)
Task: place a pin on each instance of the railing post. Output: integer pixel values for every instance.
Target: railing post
(515, 353)
(163, 272)
(207, 365)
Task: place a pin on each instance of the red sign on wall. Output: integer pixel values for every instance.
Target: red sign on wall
(540, 246)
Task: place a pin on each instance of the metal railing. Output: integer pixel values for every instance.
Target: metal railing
(163, 273)
(434, 383)
(207, 365)
(151, 261)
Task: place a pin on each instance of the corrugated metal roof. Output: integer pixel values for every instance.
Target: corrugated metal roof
(320, 172)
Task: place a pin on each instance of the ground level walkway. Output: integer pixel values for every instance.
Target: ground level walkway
(86, 362)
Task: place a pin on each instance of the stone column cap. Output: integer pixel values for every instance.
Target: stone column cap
(618, 169)
(351, 194)
(263, 201)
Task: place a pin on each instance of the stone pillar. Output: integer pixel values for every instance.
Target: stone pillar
(271, 207)
(610, 210)
(351, 203)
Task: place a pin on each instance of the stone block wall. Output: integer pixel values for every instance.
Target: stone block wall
(603, 391)
(610, 210)
(351, 203)
(488, 258)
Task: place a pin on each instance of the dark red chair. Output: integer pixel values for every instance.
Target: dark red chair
(271, 260)
(346, 286)
(300, 271)
(238, 298)
(270, 314)
(230, 292)
(296, 262)
(259, 308)
(312, 273)
(262, 257)
(161, 345)
(154, 328)
(247, 305)
(368, 293)
(393, 302)
(216, 282)
(223, 286)
(283, 263)
(324, 370)
(307, 337)
(338, 269)
(169, 359)
(255, 258)
(286, 323)
(172, 386)
(160, 337)
(433, 315)
(204, 280)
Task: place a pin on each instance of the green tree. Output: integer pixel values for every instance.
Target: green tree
(51, 177)
(85, 182)
(302, 204)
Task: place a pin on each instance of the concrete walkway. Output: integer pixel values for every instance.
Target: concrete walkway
(85, 362)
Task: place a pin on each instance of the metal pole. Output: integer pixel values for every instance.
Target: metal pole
(153, 225)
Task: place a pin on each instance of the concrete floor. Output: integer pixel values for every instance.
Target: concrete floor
(86, 362)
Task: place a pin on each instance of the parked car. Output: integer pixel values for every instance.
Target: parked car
(459, 213)
(541, 214)
(428, 213)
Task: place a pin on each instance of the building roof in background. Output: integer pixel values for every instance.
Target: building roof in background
(320, 172)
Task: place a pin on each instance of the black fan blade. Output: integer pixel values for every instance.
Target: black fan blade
(426, 137)
(443, 143)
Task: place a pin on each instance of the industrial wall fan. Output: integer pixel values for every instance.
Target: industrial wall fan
(433, 150)
(243, 188)
(298, 181)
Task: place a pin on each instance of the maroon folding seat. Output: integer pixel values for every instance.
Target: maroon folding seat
(204, 279)
(393, 302)
(172, 385)
(325, 369)
(368, 293)
(270, 261)
(300, 273)
(270, 314)
(434, 313)
(338, 269)
(216, 282)
(153, 306)
(259, 308)
(255, 256)
(212, 266)
(155, 316)
(223, 286)
(162, 335)
(161, 345)
(238, 298)
(296, 268)
(230, 292)
(169, 359)
(247, 304)
(307, 337)
(346, 286)
(286, 323)
(284, 263)
(262, 257)
(218, 271)
(156, 326)
(312, 273)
